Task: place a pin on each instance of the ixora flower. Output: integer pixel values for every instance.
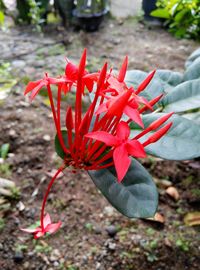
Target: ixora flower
(99, 138)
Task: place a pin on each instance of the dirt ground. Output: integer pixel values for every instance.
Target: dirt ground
(93, 236)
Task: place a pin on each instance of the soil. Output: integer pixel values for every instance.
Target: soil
(86, 241)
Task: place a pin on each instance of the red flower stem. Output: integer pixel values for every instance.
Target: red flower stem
(95, 146)
(100, 83)
(151, 103)
(52, 106)
(92, 148)
(107, 124)
(58, 105)
(56, 120)
(102, 149)
(78, 104)
(99, 152)
(69, 134)
(113, 125)
(94, 128)
(46, 195)
(104, 158)
(94, 167)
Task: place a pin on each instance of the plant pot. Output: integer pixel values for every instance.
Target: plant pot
(148, 6)
(89, 22)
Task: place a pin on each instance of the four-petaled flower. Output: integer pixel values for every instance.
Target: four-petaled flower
(46, 227)
(122, 146)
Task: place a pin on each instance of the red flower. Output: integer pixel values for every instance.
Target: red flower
(98, 138)
(48, 227)
(123, 147)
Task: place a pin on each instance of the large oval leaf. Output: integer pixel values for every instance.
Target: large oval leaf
(195, 116)
(135, 197)
(181, 142)
(192, 58)
(185, 96)
(170, 78)
(193, 71)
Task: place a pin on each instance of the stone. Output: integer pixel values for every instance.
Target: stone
(18, 64)
(97, 230)
(109, 211)
(18, 257)
(46, 138)
(55, 255)
(111, 230)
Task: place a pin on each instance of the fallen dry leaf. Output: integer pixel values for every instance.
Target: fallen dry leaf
(162, 183)
(192, 219)
(158, 218)
(173, 192)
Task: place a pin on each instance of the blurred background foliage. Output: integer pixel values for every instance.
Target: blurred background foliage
(182, 17)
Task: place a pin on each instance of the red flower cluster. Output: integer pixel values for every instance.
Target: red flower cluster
(99, 138)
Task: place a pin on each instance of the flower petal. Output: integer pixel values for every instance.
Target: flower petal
(144, 84)
(31, 86)
(71, 71)
(103, 136)
(123, 130)
(39, 234)
(123, 69)
(47, 220)
(37, 89)
(136, 149)
(35, 230)
(121, 161)
(53, 227)
(119, 103)
(134, 115)
(102, 108)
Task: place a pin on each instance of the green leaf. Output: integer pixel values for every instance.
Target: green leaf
(185, 96)
(169, 77)
(135, 197)
(4, 150)
(192, 58)
(181, 15)
(58, 147)
(161, 13)
(193, 71)
(2, 18)
(181, 142)
(195, 116)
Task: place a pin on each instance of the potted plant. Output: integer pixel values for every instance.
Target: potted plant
(89, 13)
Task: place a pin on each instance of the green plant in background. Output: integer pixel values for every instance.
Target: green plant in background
(32, 11)
(4, 167)
(2, 12)
(4, 150)
(36, 10)
(181, 16)
(6, 80)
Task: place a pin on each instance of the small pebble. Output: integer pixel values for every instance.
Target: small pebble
(111, 230)
(97, 230)
(47, 138)
(18, 257)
